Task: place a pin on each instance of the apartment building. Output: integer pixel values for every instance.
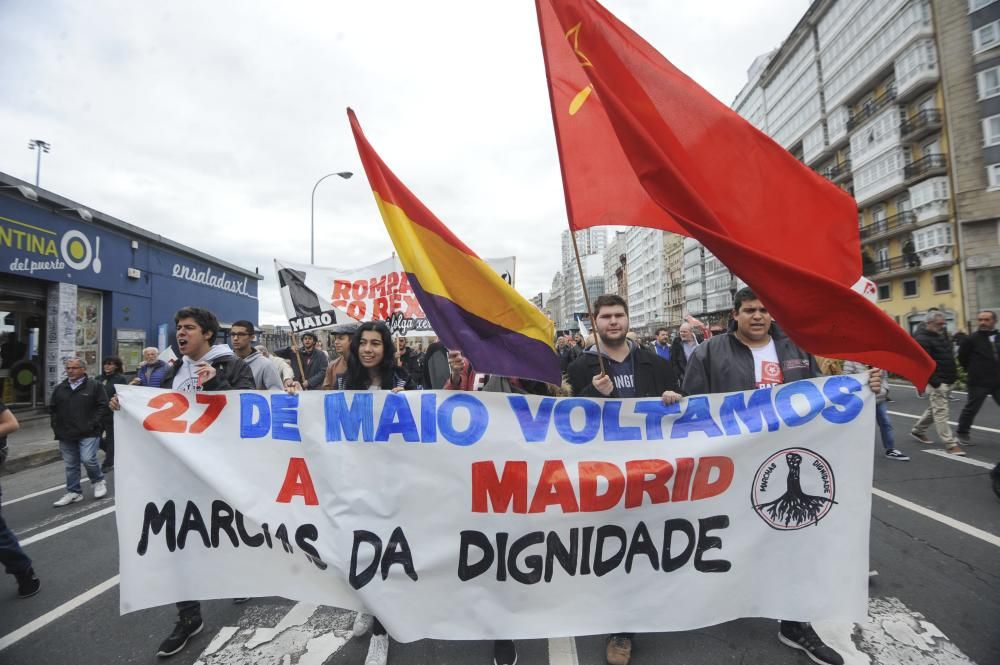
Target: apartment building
(616, 266)
(648, 274)
(674, 287)
(892, 100)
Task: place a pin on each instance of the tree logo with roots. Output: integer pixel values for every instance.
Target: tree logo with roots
(794, 488)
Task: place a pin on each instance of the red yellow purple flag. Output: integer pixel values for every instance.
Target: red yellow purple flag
(471, 307)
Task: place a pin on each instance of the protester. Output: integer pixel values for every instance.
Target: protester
(113, 375)
(629, 371)
(280, 364)
(407, 358)
(79, 409)
(435, 366)
(308, 363)
(932, 338)
(757, 354)
(684, 345)
(204, 365)
(265, 374)
(150, 373)
(371, 365)
(662, 343)
(342, 333)
(15, 561)
(881, 411)
(979, 354)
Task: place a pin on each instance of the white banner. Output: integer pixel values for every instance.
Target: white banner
(456, 515)
(315, 297)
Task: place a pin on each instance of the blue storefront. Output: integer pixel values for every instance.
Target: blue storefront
(76, 282)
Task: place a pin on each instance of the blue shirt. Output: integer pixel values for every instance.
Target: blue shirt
(662, 351)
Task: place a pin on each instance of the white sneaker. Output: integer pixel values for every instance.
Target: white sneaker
(68, 498)
(363, 623)
(378, 650)
(100, 489)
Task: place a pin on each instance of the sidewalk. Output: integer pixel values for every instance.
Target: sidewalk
(32, 445)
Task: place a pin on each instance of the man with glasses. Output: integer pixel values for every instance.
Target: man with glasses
(265, 374)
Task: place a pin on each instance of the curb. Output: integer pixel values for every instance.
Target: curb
(29, 461)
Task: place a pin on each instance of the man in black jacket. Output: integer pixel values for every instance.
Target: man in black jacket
(79, 408)
(308, 363)
(756, 354)
(979, 354)
(203, 366)
(630, 371)
(931, 337)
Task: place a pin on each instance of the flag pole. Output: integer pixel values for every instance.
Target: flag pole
(586, 299)
(295, 349)
(569, 203)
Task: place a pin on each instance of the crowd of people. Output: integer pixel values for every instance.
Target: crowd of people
(611, 362)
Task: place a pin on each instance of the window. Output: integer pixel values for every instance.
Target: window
(988, 82)
(909, 288)
(878, 219)
(942, 282)
(986, 37)
(903, 204)
(975, 5)
(991, 131)
(884, 291)
(993, 176)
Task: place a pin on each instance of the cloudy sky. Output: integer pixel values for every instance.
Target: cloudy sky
(209, 123)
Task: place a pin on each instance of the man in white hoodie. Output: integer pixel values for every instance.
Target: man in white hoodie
(265, 374)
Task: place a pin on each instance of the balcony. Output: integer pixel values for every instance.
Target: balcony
(920, 125)
(883, 228)
(838, 172)
(927, 165)
(893, 266)
(871, 108)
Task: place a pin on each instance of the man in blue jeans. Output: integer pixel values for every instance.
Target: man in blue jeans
(15, 561)
(78, 408)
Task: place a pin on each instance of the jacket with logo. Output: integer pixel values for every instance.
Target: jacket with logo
(78, 414)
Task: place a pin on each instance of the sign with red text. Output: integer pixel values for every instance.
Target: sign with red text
(315, 297)
(458, 515)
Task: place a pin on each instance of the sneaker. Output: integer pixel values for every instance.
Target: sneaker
(922, 438)
(965, 438)
(955, 449)
(362, 623)
(619, 651)
(378, 650)
(100, 489)
(892, 453)
(802, 636)
(504, 652)
(27, 584)
(68, 498)
(184, 630)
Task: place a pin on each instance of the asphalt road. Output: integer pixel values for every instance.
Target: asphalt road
(935, 544)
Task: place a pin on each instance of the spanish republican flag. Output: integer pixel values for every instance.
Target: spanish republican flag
(641, 144)
(470, 306)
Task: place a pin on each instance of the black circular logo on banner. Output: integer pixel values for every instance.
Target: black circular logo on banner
(793, 488)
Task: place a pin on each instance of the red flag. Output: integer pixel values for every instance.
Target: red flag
(662, 152)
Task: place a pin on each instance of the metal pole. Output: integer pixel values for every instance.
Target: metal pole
(586, 299)
(38, 165)
(312, 214)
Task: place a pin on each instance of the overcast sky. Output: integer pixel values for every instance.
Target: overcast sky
(210, 122)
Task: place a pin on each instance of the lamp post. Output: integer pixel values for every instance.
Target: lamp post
(41, 146)
(312, 214)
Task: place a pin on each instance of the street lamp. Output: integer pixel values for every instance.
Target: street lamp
(312, 214)
(41, 146)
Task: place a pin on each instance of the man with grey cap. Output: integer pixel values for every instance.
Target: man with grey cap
(342, 333)
(265, 374)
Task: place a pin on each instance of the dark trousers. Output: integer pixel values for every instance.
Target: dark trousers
(977, 395)
(13, 558)
(189, 609)
(108, 443)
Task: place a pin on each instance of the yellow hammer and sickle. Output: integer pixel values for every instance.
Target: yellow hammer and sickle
(574, 36)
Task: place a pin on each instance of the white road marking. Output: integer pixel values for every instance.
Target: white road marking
(895, 634)
(562, 651)
(47, 618)
(950, 422)
(41, 492)
(943, 519)
(68, 525)
(313, 633)
(959, 458)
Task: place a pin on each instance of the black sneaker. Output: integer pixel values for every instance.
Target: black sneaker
(184, 629)
(802, 636)
(504, 652)
(28, 584)
(892, 453)
(965, 438)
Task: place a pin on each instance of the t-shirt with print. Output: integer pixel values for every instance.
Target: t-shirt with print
(766, 367)
(622, 375)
